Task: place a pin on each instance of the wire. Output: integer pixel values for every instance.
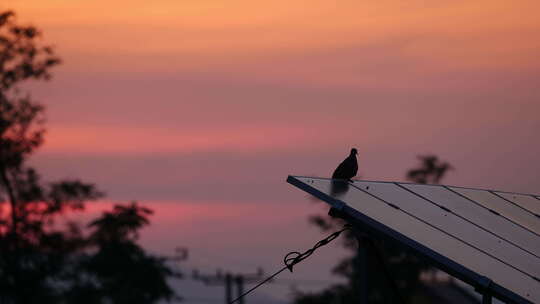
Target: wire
(294, 257)
(305, 281)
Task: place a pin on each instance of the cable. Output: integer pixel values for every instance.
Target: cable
(290, 261)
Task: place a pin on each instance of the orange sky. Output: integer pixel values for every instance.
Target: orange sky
(216, 102)
(195, 79)
(201, 34)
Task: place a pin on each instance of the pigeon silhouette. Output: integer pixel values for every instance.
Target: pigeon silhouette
(348, 168)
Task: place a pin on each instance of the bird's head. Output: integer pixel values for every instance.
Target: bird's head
(354, 151)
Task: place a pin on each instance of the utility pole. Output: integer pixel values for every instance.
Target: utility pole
(240, 287)
(228, 279)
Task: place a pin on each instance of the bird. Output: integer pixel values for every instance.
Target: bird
(348, 168)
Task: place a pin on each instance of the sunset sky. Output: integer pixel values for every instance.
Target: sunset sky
(211, 104)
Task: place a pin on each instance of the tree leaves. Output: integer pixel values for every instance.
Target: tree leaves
(21, 56)
(40, 263)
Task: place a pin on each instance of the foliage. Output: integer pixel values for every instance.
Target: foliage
(431, 170)
(41, 262)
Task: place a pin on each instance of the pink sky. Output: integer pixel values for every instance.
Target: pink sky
(216, 102)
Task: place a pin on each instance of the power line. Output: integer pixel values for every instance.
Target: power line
(281, 281)
(203, 300)
(304, 281)
(293, 258)
(228, 280)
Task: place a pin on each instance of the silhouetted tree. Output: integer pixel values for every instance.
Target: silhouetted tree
(403, 265)
(39, 262)
(431, 171)
(119, 271)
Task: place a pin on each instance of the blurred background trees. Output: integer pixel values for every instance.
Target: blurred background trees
(42, 261)
(404, 267)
